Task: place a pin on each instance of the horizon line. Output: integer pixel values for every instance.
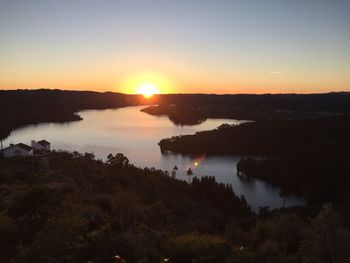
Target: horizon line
(190, 93)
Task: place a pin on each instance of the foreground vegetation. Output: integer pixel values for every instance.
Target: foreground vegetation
(70, 207)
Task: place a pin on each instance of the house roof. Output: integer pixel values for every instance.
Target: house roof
(23, 146)
(43, 142)
(19, 145)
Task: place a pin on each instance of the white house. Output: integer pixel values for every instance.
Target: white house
(41, 145)
(19, 149)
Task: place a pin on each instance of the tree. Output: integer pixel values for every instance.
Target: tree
(189, 173)
(119, 160)
(327, 240)
(89, 156)
(173, 174)
(110, 159)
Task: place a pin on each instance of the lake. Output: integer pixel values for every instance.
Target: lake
(136, 135)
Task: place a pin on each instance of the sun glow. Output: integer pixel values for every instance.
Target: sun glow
(147, 90)
(146, 83)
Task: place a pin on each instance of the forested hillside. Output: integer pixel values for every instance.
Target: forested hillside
(73, 208)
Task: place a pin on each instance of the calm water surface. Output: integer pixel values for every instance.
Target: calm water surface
(136, 135)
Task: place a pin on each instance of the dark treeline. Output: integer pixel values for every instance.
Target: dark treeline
(23, 107)
(188, 109)
(179, 115)
(319, 176)
(264, 137)
(84, 210)
(328, 102)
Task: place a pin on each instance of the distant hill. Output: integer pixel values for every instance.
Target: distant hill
(332, 102)
(191, 109)
(23, 107)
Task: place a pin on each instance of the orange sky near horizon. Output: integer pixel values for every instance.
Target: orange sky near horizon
(219, 84)
(171, 75)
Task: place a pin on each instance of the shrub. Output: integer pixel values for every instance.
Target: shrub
(29, 202)
(189, 247)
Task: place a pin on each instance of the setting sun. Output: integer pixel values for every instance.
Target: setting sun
(146, 83)
(147, 90)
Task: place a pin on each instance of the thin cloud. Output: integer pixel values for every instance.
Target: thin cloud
(275, 72)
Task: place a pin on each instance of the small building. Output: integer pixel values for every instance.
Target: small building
(19, 149)
(41, 145)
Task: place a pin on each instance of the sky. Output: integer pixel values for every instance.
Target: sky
(180, 46)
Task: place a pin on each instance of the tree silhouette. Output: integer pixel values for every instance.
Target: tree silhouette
(119, 160)
(189, 174)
